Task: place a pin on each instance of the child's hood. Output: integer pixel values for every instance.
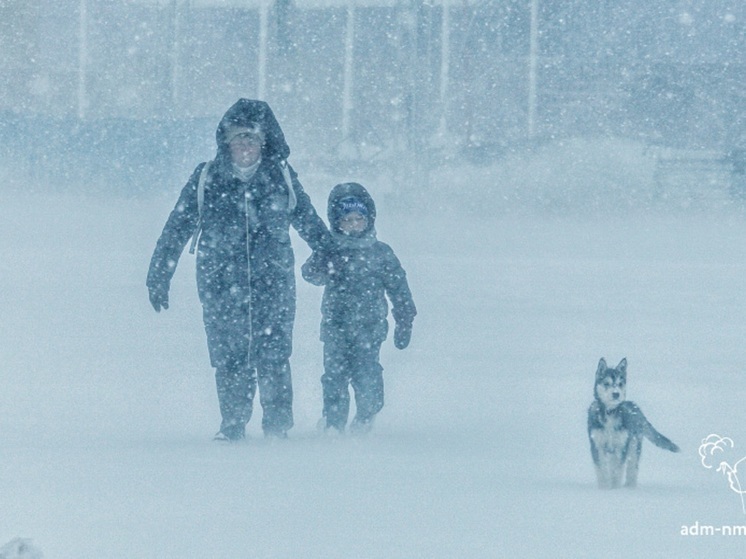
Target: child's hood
(346, 190)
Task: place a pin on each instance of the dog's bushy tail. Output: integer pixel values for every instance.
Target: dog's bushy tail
(659, 440)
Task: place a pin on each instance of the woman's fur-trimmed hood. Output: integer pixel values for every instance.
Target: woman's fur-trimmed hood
(245, 113)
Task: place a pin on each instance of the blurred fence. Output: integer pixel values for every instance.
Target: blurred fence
(135, 90)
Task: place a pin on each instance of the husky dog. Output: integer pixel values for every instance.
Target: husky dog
(616, 428)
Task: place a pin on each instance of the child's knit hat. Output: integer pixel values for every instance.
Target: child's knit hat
(349, 197)
(351, 204)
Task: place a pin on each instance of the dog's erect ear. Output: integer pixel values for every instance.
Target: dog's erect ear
(622, 367)
(601, 371)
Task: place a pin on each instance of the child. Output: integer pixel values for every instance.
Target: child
(357, 272)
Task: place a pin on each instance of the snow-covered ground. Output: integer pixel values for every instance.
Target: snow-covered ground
(107, 409)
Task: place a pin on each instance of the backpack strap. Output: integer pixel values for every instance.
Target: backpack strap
(200, 204)
(292, 198)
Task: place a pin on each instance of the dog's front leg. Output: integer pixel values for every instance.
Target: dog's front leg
(600, 458)
(634, 450)
(603, 477)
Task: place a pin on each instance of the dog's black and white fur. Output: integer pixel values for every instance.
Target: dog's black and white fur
(616, 428)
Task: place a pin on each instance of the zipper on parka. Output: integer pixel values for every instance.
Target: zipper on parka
(247, 198)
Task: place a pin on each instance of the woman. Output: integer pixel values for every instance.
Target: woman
(240, 207)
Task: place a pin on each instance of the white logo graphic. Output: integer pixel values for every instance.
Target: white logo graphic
(715, 443)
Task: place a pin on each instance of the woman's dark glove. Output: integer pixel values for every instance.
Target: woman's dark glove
(402, 335)
(158, 296)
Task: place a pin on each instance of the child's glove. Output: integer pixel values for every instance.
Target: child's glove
(402, 334)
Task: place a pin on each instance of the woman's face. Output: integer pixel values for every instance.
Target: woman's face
(246, 149)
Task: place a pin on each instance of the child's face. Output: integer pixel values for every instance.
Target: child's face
(353, 222)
